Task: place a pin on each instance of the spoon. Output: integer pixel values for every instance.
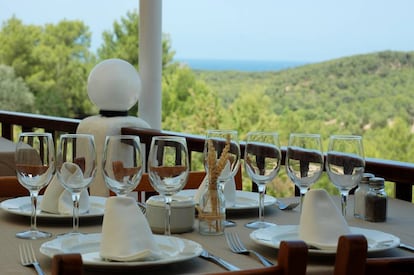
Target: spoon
(284, 206)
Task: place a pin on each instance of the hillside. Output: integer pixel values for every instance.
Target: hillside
(362, 94)
(373, 87)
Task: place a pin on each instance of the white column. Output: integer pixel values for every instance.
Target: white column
(150, 61)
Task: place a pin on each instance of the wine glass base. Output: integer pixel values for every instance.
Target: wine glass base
(259, 224)
(33, 235)
(228, 223)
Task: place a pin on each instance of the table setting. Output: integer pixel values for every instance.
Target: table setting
(147, 237)
(321, 223)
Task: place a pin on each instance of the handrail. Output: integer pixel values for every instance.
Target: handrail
(30, 122)
(401, 173)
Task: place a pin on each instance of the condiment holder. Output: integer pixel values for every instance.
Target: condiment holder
(182, 214)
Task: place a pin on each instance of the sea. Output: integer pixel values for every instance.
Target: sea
(239, 65)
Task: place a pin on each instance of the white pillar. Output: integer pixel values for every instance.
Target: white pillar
(150, 61)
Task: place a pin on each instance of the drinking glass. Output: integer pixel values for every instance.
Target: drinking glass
(304, 161)
(76, 167)
(345, 164)
(122, 163)
(218, 140)
(262, 160)
(168, 167)
(35, 166)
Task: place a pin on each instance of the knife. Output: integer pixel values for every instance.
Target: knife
(406, 247)
(207, 255)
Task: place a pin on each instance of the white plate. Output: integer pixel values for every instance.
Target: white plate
(244, 199)
(22, 206)
(88, 247)
(272, 236)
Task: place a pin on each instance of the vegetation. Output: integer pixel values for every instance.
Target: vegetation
(45, 69)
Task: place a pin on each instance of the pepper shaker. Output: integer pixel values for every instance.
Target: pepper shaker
(376, 201)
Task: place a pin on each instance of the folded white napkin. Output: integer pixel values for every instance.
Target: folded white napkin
(58, 200)
(229, 187)
(126, 235)
(321, 222)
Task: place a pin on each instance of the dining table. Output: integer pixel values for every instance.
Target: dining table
(400, 223)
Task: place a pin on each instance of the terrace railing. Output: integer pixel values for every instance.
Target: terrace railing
(400, 173)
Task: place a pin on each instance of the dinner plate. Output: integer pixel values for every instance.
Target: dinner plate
(272, 236)
(88, 246)
(22, 206)
(244, 199)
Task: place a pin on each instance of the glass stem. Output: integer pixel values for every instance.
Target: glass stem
(75, 199)
(262, 189)
(344, 198)
(33, 219)
(302, 197)
(168, 200)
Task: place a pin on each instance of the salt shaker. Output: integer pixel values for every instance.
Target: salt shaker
(376, 201)
(359, 196)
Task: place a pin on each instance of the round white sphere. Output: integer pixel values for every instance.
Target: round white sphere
(114, 85)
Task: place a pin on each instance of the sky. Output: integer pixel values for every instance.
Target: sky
(294, 30)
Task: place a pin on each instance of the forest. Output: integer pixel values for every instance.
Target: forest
(44, 69)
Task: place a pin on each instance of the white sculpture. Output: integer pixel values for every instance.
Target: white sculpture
(114, 86)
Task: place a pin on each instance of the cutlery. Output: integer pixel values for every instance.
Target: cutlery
(283, 206)
(28, 257)
(406, 247)
(237, 246)
(207, 255)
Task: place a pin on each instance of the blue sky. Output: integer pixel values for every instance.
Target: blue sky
(294, 30)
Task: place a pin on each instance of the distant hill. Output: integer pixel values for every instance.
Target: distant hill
(372, 87)
(371, 95)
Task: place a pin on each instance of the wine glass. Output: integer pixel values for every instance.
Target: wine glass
(122, 163)
(262, 160)
(168, 168)
(345, 164)
(35, 166)
(304, 161)
(218, 140)
(76, 167)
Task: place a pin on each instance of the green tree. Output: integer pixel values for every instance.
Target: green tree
(14, 93)
(54, 61)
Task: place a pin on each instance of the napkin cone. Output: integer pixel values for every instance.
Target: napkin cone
(126, 235)
(58, 200)
(229, 187)
(321, 222)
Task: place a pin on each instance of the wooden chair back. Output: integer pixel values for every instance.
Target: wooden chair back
(67, 264)
(351, 259)
(145, 189)
(10, 187)
(291, 260)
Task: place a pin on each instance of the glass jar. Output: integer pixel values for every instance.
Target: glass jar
(376, 201)
(359, 196)
(212, 211)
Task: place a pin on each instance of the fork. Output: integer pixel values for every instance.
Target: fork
(237, 246)
(28, 257)
(207, 255)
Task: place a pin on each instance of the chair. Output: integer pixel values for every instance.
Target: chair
(291, 260)
(195, 178)
(67, 264)
(351, 258)
(10, 187)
